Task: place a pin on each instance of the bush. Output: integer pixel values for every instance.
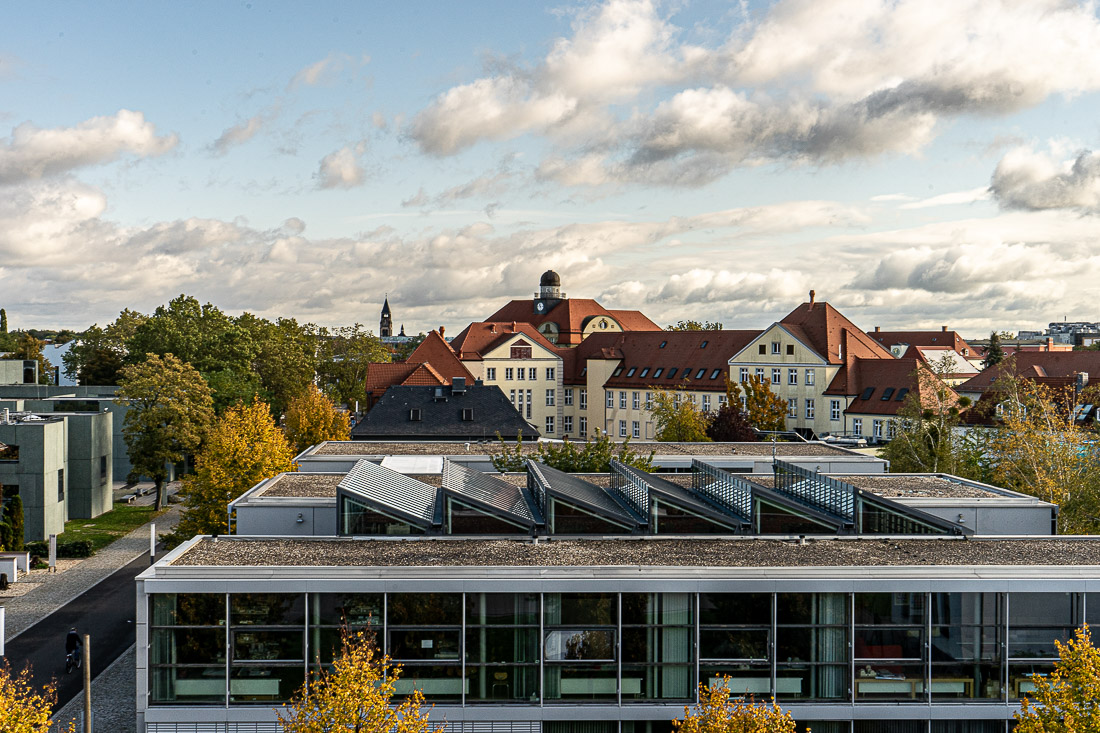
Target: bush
(65, 548)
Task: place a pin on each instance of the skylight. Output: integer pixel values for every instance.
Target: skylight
(703, 345)
(901, 394)
(671, 373)
(700, 373)
(887, 393)
(657, 373)
(645, 371)
(867, 393)
(631, 372)
(663, 344)
(715, 373)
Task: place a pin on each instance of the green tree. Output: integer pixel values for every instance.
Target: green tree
(405, 350)
(95, 358)
(677, 418)
(994, 354)
(284, 358)
(695, 326)
(356, 695)
(170, 409)
(1068, 699)
(343, 356)
(3, 321)
(926, 436)
(200, 335)
(28, 348)
(13, 515)
(243, 448)
(717, 713)
(311, 418)
(764, 409)
(592, 456)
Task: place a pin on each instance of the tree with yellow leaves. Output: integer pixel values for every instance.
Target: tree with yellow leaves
(244, 447)
(1069, 698)
(717, 713)
(765, 409)
(678, 419)
(311, 418)
(355, 696)
(23, 708)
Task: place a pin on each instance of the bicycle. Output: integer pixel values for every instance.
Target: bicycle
(72, 661)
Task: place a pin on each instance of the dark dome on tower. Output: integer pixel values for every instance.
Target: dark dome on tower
(550, 278)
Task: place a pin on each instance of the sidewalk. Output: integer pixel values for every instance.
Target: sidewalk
(54, 590)
(114, 708)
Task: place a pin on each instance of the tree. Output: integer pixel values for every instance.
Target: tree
(994, 354)
(24, 708)
(3, 321)
(170, 410)
(13, 515)
(28, 348)
(677, 419)
(594, 457)
(764, 409)
(1038, 449)
(695, 326)
(243, 448)
(926, 436)
(284, 358)
(730, 425)
(405, 350)
(1069, 698)
(343, 356)
(311, 418)
(355, 696)
(716, 713)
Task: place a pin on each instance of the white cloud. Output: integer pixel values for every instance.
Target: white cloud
(33, 152)
(342, 168)
(954, 198)
(321, 71)
(1025, 179)
(238, 134)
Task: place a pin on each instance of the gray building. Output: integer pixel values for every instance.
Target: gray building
(17, 371)
(34, 464)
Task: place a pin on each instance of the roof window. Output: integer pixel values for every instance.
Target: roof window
(657, 372)
(414, 415)
(887, 393)
(715, 373)
(703, 345)
(867, 393)
(671, 373)
(663, 345)
(901, 394)
(618, 372)
(700, 373)
(645, 371)
(630, 373)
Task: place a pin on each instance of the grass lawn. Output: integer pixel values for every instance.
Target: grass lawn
(106, 528)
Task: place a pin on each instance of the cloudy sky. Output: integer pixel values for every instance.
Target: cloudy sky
(917, 163)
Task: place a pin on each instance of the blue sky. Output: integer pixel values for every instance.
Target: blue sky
(916, 163)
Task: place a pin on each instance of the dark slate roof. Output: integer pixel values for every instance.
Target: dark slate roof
(391, 492)
(441, 412)
(572, 490)
(489, 493)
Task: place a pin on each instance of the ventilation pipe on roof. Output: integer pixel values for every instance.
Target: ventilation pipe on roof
(943, 328)
(513, 326)
(441, 330)
(877, 329)
(812, 294)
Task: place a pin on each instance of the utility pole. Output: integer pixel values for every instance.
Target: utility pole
(87, 652)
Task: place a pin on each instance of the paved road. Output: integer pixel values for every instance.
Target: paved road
(106, 612)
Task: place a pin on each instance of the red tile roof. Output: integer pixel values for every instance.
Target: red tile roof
(879, 376)
(943, 337)
(682, 351)
(380, 377)
(424, 374)
(822, 327)
(436, 351)
(477, 339)
(571, 315)
(1037, 365)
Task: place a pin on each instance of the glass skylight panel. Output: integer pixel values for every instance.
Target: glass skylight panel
(671, 373)
(630, 372)
(645, 371)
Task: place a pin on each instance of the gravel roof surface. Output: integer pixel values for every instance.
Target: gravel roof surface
(303, 485)
(367, 448)
(898, 486)
(673, 552)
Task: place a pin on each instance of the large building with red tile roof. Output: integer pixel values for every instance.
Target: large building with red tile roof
(432, 363)
(568, 321)
(897, 342)
(1054, 368)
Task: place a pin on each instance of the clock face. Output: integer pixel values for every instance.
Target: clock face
(540, 306)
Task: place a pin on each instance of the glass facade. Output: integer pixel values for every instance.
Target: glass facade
(620, 648)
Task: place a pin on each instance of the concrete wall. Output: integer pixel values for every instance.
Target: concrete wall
(11, 371)
(90, 463)
(279, 516)
(43, 451)
(990, 516)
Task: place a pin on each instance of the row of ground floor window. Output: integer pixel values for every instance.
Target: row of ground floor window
(620, 648)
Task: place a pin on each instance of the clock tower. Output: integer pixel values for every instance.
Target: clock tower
(549, 294)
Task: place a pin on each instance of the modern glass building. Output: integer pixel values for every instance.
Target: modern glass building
(937, 633)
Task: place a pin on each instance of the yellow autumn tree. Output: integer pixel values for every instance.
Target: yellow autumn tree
(765, 409)
(355, 696)
(244, 447)
(717, 713)
(23, 707)
(1068, 699)
(678, 419)
(312, 418)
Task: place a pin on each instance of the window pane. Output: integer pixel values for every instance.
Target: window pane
(890, 682)
(582, 609)
(733, 643)
(189, 609)
(583, 682)
(500, 645)
(353, 609)
(742, 609)
(424, 643)
(1042, 609)
(267, 609)
(655, 644)
(888, 643)
(811, 608)
(653, 682)
(966, 608)
(579, 644)
(187, 646)
(744, 679)
(502, 608)
(889, 608)
(502, 684)
(267, 645)
(266, 684)
(812, 681)
(657, 608)
(425, 609)
(188, 685)
(437, 682)
(812, 644)
(1021, 677)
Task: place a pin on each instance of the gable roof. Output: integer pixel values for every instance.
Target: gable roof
(571, 315)
(381, 377)
(441, 413)
(961, 367)
(1036, 365)
(825, 330)
(478, 339)
(703, 355)
(436, 351)
(880, 386)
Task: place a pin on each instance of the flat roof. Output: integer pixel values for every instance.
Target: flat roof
(655, 552)
(420, 448)
(910, 486)
(302, 485)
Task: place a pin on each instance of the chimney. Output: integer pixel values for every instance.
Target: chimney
(878, 328)
(493, 328)
(812, 294)
(943, 328)
(1050, 344)
(441, 330)
(513, 326)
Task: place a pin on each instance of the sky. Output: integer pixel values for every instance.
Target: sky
(917, 163)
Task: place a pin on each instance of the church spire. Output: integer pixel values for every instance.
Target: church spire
(385, 324)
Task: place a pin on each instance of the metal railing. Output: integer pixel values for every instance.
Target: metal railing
(722, 487)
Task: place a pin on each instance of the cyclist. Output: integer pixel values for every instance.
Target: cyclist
(72, 649)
